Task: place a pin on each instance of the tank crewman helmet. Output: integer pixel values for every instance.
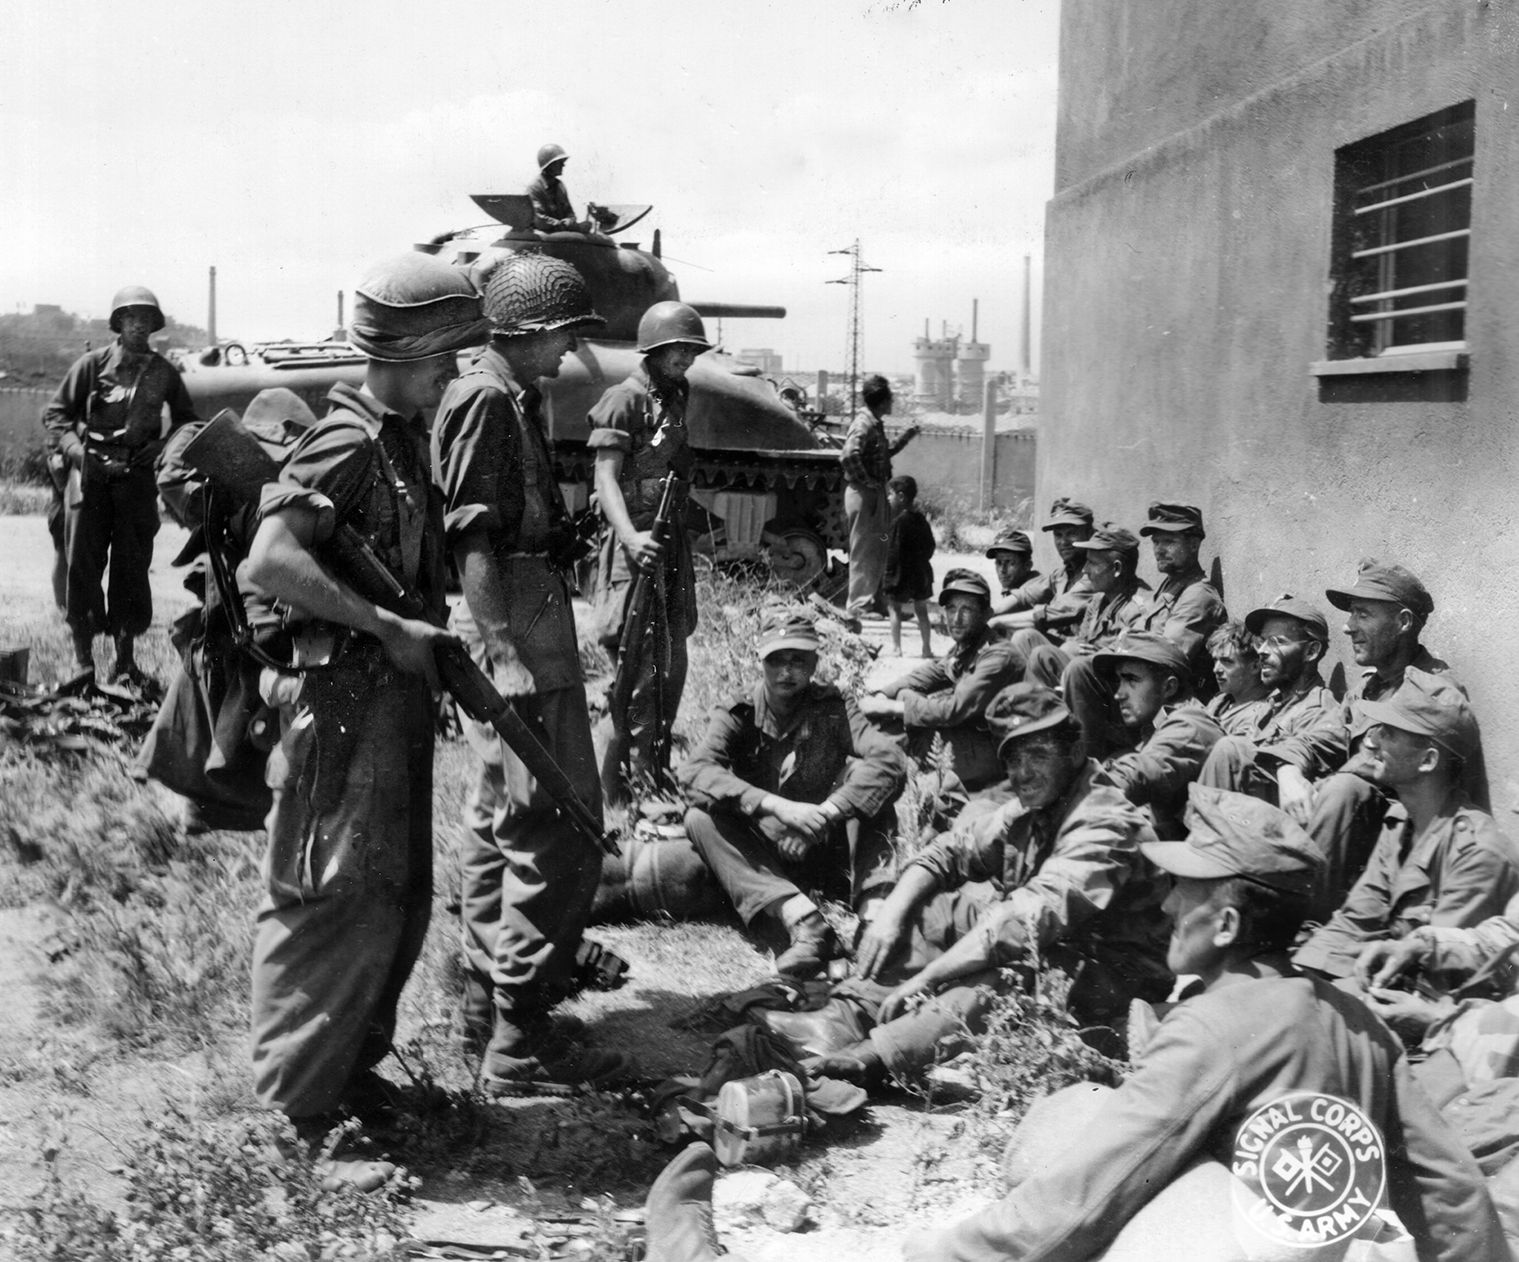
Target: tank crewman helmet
(550, 154)
(414, 307)
(666, 323)
(135, 296)
(529, 292)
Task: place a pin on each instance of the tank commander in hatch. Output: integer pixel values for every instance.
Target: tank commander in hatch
(552, 209)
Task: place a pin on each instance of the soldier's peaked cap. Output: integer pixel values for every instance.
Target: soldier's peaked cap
(1011, 541)
(1173, 519)
(1111, 537)
(1387, 581)
(787, 629)
(966, 581)
(1022, 709)
(1428, 705)
(1233, 834)
(1289, 606)
(1068, 512)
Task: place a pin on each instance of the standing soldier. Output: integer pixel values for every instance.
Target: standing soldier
(106, 421)
(349, 866)
(638, 429)
(528, 875)
(866, 458)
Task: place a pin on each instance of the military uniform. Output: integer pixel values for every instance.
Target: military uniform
(528, 876)
(1187, 609)
(1066, 884)
(645, 419)
(552, 211)
(1460, 872)
(1057, 601)
(105, 420)
(1301, 728)
(1237, 718)
(1214, 1060)
(824, 750)
(349, 863)
(950, 696)
(1169, 756)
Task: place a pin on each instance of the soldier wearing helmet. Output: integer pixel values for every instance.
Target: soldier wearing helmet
(552, 211)
(349, 863)
(528, 876)
(638, 430)
(106, 423)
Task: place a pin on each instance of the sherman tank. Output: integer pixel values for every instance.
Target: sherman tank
(768, 479)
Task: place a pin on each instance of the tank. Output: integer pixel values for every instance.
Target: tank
(767, 476)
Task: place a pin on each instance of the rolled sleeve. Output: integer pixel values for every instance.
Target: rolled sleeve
(970, 852)
(330, 469)
(477, 462)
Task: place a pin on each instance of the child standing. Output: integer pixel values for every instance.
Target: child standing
(909, 573)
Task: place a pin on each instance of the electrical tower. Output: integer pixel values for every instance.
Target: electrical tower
(857, 268)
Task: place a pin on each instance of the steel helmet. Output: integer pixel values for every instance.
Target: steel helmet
(135, 296)
(529, 292)
(549, 154)
(668, 322)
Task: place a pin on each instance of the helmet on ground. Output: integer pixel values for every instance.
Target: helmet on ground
(549, 154)
(529, 292)
(135, 296)
(668, 322)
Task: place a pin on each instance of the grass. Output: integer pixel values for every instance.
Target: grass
(960, 527)
(155, 932)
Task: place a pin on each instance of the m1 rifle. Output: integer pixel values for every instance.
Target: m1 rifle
(227, 455)
(640, 618)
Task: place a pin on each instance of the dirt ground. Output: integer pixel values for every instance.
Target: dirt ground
(901, 1167)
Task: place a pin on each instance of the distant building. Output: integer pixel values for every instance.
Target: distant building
(1258, 252)
(763, 358)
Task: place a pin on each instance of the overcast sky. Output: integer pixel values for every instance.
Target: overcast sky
(293, 144)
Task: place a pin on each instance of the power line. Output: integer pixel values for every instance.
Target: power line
(857, 267)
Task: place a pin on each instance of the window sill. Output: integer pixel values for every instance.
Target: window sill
(1422, 361)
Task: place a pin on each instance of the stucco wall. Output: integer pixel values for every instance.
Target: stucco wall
(1188, 297)
(947, 466)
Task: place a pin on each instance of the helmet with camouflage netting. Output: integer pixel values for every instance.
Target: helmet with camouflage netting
(529, 292)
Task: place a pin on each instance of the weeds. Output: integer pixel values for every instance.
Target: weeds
(959, 527)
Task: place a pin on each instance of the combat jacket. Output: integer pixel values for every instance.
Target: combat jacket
(552, 211)
(824, 748)
(951, 696)
(492, 464)
(366, 467)
(1170, 754)
(115, 410)
(1109, 614)
(1372, 687)
(1070, 874)
(1460, 872)
(1057, 600)
(1187, 609)
(1464, 951)
(1237, 718)
(1213, 1061)
(1302, 728)
(644, 419)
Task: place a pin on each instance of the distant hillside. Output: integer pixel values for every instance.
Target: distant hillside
(37, 347)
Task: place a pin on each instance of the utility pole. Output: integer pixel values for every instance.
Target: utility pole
(856, 269)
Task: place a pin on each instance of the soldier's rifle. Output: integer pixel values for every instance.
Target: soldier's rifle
(230, 457)
(636, 625)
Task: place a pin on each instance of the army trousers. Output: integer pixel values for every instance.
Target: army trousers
(869, 520)
(109, 523)
(348, 877)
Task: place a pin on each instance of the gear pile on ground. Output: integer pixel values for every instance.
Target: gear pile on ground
(78, 715)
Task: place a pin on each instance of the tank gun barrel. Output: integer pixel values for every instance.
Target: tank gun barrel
(738, 311)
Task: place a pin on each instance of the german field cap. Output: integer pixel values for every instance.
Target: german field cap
(1068, 512)
(1145, 646)
(1111, 537)
(967, 581)
(1289, 606)
(1428, 705)
(415, 306)
(1011, 541)
(277, 414)
(1020, 710)
(1173, 519)
(1384, 580)
(1233, 834)
(787, 629)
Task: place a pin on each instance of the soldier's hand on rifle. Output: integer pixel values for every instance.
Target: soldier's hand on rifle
(413, 645)
(645, 549)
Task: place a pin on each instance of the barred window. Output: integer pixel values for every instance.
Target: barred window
(1403, 213)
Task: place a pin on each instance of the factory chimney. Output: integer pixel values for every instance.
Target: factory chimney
(1026, 346)
(211, 310)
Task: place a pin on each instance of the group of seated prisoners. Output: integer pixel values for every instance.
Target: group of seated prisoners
(1142, 790)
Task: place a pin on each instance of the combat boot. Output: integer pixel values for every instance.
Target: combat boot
(528, 1056)
(678, 1212)
(84, 650)
(813, 944)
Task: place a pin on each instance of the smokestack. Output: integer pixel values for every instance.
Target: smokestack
(925, 328)
(1026, 346)
(975, 312)
(211, 310)
(340, 313)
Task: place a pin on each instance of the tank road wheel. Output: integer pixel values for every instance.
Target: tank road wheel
(797, 557)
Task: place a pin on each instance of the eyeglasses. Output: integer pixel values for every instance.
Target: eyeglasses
(1279, 642)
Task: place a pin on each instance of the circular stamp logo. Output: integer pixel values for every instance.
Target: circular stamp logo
(1316, 1164)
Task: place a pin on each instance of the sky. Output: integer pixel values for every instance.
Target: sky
(291, 145)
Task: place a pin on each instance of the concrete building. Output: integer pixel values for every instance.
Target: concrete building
(970, 365)
(763, 358)
(936, 371)
(1241, 210)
